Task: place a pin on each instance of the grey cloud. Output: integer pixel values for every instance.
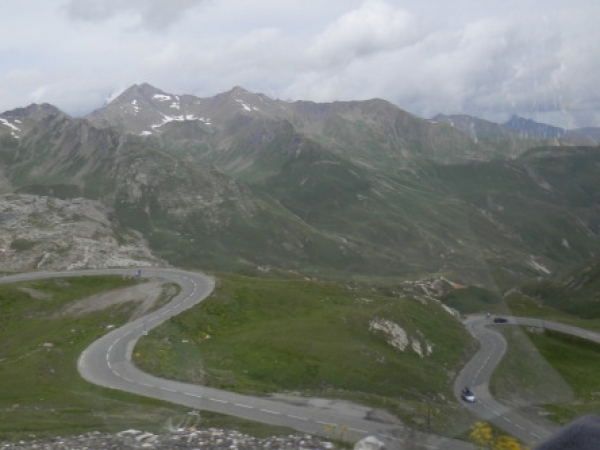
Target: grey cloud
(374, 27)
(486, 65)
(153, 15)
(442, 58)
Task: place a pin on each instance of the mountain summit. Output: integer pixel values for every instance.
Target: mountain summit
(240, 180)
(350, 127)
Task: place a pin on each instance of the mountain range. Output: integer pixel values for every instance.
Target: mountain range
(240, 181)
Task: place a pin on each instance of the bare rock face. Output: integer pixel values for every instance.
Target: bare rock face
(44, 233)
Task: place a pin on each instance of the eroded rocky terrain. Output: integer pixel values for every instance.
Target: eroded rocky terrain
(46, 233)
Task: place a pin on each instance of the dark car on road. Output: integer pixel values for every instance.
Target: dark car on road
(500, 320)
(467, 395)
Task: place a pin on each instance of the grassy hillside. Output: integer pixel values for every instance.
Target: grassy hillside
(314, 338)
(548, 374)
(574, 294)
(41, 392)
(577, 362)
(547, 370)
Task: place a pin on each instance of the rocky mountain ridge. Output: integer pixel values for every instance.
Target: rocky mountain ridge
(220, 122)
(240, 181)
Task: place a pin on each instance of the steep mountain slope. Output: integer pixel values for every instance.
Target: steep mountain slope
(540, 211)
(373, 133)
(574, 292)
(241, 180)
(189, 213)
(144, 110)
(377, 134)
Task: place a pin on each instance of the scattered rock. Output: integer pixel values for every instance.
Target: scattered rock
(369, 443)
(210, 439)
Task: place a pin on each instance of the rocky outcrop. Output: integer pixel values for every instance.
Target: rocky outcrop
(46, 233)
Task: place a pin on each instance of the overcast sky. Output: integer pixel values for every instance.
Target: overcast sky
(488, 58)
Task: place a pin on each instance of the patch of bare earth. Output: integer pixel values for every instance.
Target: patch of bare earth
(144, 294)
(34, 293)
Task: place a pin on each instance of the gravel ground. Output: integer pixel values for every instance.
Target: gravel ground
(210, 439)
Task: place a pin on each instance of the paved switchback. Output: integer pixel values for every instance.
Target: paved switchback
(107, 362)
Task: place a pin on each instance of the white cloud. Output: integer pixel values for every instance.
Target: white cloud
(149, 14)
(374, 27)
(490, 60)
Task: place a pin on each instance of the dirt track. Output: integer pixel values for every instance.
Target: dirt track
(145, 294)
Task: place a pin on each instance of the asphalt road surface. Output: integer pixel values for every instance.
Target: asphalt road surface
(476, 374)
(107, 362)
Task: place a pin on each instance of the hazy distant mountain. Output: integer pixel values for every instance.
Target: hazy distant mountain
(476, 128)
(502, 141)
(591, 134)
(529, 128)
(517, 135)
(241, 180)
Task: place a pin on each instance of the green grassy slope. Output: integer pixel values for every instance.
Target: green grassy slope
(41, 392)
(548, 373)
(574, 293)
(264, 335)
(548, 370)
(577, 361)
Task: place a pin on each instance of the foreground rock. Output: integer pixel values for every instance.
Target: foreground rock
(189, 439)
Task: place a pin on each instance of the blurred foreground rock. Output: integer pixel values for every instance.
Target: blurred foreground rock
(189, 439)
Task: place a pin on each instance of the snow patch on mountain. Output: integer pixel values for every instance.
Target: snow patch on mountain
(162, 97)
(12, 126)
(176, 103)
(538, 266)
(245, 106)
(180, 118)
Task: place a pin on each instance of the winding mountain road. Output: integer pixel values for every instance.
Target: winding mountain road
(476, 374)
(107, 362)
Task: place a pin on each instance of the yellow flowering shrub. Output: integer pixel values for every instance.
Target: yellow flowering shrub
(485, 437)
